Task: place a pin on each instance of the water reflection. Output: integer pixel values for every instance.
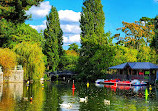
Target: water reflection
(55, 96)
(1, 90)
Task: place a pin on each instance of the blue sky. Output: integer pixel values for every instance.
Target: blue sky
(115, 11)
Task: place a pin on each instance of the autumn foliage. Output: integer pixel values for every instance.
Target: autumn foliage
(7, 59)
(136, 34)
(30, 56)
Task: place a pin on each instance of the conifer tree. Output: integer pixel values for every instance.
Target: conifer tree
(53, 37)
(92, 33)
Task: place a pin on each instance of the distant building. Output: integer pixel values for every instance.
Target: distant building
(145, 71)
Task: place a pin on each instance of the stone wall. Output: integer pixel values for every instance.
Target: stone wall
(16, 76)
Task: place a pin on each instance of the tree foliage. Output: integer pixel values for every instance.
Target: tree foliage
(74, 47)
(136, 34)
(14, 10)
(31, 57)
(7, 60)
(53, 40)
(12, 34)
(92, 33)
(155, 39)
(70, 60)
(146, 54)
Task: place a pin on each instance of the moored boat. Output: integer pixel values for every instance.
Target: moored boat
(113, 81)
(136, 82)
(98, 81)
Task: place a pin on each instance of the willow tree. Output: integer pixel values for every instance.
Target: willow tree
(30, 56)
(53, 40)
(92, 33)
(7, 60)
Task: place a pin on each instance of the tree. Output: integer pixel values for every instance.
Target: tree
(146, 54)
(92, 33)
(74, 47)
(32, 59)
(153, 21)
(92, 21)
(14, 10)
(12, 34)
(70, 60)
(136, 34)
(53, 40)
(155, 39)
(7, 60)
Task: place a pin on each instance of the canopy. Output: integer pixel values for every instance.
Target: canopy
(136, 65)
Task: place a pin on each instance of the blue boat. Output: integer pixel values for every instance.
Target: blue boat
(136, 82)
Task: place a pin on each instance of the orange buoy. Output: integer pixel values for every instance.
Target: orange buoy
(31, 99)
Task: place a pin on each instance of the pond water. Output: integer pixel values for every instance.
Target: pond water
(59, 96)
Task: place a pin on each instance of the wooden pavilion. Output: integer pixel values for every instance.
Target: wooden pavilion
(144, 71)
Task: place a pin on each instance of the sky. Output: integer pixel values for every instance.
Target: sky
(115, 12)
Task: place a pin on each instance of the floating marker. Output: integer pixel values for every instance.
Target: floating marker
(87, 84)
(73, 91)
(150, 88)
(146, 94)
(31, 99)
(73, 86)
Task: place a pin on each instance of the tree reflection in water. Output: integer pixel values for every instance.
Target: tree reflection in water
(49, 96)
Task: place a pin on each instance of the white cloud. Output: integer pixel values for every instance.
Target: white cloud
(69, 15)
(39, 11)
(69, 28)
(71, 39)
(39, 27)
(65, 39)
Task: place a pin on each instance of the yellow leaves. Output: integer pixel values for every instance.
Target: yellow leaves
(136, 32)
(71, 53)
(32, 59)
(7, 58)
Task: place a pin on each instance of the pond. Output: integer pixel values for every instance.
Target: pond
(59, 96)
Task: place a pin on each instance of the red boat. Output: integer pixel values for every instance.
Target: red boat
(124, 83)
(111, 81)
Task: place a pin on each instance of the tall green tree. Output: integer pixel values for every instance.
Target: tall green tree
(14, 10)
(53, 40)
(92, 33)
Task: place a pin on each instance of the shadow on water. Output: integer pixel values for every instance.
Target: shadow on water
(63, 96)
